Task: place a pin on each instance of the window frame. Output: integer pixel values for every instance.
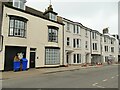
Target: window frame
(52, 56)
(19, 4)
(19, 26)
(68, 41)
(86, 44)
(53, 30)
(76, 58)
(112, 49)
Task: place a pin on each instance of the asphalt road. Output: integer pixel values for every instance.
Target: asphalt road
(103, 77)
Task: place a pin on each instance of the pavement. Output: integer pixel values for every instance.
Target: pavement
(32, 72)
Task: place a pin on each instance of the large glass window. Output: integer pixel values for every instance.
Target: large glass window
(52, 34)
(17, 27)
(52, 56)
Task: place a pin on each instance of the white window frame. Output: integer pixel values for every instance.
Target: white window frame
(68, 41)
(19, 4)
(77, 43)
(112, 49)
(95, 46)
(86, 44)
(75, 59)
(52, 56)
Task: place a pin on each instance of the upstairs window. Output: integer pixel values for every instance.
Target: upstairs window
(52, 16)
(68, 26)
(53, 34)
(94, 35)
(76, 43)
(112, 49)
(17, 27)
(76, 29)
(68, 41)
(106, 48)
(19, 4)
(112, 41)
(86, 32)
(94, 46)
(86, 44)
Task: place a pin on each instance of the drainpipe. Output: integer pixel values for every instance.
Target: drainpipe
(63, 47)
(1, 17)
(90, 45)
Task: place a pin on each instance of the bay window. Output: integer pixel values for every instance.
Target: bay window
(17, 27)
(52, 56)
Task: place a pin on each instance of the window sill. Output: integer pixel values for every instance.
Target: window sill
(86, 49)
(68, 31)
(76, 34)
(95, 39)
(16, 36)
(52, 42)
(95, 51)
(77, 48)
(68, 46)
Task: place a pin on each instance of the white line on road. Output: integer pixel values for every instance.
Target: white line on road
(104, 80)
(117, 75)
(95, 84)
(112, 77)
(100, 86)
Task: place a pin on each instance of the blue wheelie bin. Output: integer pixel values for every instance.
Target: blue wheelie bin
(16, 65)
(24, 64)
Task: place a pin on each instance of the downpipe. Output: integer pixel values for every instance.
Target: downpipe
(1, 42)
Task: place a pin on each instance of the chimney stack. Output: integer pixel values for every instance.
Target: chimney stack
(105, 31)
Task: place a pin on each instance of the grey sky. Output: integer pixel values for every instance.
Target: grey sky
(91, 13)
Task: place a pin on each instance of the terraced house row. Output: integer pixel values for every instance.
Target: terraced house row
(49, 40)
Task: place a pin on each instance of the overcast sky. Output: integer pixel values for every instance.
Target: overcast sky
(95, 14)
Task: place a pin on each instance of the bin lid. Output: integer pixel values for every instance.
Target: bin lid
(24, 59)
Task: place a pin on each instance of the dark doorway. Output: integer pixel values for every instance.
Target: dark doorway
(32, 59)
(10, 52)
(67, 58)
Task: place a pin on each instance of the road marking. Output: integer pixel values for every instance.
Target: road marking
(100, 86)
(104, 80)
(112, 77)
(95, 84)
(117, 75)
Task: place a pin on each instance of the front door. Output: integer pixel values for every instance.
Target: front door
(32, 59)
(67, 58)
